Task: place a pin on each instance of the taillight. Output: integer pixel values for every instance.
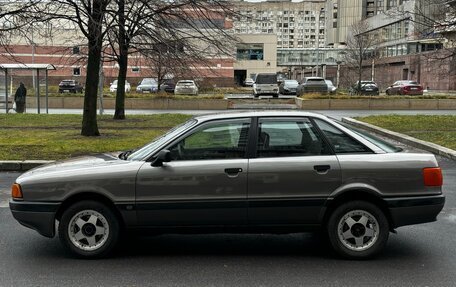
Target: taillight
(16, 191)
(432, 176)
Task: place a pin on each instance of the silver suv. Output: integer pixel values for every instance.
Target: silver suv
(268, 172)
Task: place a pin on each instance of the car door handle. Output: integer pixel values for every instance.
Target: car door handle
(322, 168)
(232, 172)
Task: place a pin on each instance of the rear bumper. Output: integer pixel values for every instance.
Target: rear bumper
(414, 210)
(39, 216)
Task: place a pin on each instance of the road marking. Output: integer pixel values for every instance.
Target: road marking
(4, 204)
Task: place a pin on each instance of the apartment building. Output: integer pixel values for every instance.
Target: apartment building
(300, 30)
(296, 24)
(342, 14)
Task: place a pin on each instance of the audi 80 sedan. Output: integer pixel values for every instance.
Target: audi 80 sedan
(243, 172)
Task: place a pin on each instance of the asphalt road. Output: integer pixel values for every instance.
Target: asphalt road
(421, 255)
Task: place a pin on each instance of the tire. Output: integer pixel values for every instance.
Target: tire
(256, 95)
(388, 93)
(82, 239)
(358, 230)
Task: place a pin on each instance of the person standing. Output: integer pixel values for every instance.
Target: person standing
(19, 98)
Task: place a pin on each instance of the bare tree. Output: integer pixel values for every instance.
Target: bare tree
(90, 17)
(361, 48)
(433, 20)
(155, 28)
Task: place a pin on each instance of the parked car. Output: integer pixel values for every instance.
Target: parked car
(405, 88)
(168, 86)
(147, 85)
(312, 85)
(186, 87)
(113, 87)
(331, 88)
(254, 172)
(367, 88)
(70, 86)
(249, 82)
(266, 84)
(288, 87)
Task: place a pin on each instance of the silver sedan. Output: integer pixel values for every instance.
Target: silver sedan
(268, 172)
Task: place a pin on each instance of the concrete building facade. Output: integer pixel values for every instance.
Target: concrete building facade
(342, 14)
(255, 54)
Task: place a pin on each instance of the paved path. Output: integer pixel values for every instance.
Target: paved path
(338, 114)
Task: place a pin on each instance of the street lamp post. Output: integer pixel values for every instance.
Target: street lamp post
(338, 72)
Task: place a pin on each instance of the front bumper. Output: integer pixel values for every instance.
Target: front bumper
(39, 216)
(414, 210)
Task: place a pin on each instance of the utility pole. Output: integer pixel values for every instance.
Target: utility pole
(100, 87)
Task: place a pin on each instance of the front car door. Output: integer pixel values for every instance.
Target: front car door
(204, 184)
(293, 173)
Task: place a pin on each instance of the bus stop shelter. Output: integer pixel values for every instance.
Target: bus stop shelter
(43, 68)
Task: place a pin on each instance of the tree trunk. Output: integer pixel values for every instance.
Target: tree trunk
(89, 118)
(119, 113)
(120, 93)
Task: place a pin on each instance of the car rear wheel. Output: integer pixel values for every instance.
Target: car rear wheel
(358, 230)
(89, 229)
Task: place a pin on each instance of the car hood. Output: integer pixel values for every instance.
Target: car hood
(74, 166)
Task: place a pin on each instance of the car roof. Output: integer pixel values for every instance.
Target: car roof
(319, 78)
(246, 114)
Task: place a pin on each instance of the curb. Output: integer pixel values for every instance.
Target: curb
(21, 165)
(411, 141)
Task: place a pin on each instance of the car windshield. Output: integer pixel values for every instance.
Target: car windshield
(266, 79)
(115, 82)
(148, 82)
(316, 81)
(70, 82)
(387, 147)
(146, 150)
(185, 83)
(291, 82)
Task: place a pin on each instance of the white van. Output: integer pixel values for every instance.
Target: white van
(266, 84)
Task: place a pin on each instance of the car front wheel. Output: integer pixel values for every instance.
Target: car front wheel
(89, 229)
(358, 230)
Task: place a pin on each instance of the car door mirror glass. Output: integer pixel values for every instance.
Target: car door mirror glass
(163, 156)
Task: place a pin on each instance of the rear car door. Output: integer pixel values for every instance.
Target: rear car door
(204, 184)
(292, 173)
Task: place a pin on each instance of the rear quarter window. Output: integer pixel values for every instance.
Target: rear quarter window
(340, 141)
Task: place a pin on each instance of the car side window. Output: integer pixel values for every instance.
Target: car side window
(341, 142)
(226, 140)
(286, 138)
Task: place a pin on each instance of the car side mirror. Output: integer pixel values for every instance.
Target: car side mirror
(163, 156)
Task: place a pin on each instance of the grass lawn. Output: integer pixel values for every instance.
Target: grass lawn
(437, 129)
(31, 136)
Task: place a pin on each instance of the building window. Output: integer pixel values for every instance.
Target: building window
(250, 52)
(76, 50)
(135, 69)
(77, 71)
